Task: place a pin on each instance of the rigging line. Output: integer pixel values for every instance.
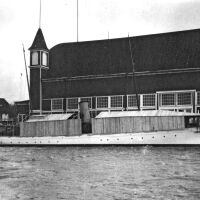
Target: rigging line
(27, 79)
(133, 70)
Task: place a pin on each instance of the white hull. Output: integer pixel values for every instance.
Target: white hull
(184, 137)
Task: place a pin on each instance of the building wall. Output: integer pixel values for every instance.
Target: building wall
(163, 62)
(121, 86)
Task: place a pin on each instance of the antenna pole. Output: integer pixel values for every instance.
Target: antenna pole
(134, 81)
(40, 14)
(77, 20)
(27, 78)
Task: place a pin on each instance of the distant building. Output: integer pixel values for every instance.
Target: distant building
(22, 107)
(167, 73)
(4, 110)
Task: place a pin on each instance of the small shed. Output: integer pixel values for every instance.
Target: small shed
(138, 121)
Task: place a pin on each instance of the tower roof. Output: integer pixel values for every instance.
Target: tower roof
(39, 42)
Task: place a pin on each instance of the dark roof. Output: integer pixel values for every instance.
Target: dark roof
(4, 106)
(39, 41)
(175, 50)
(22, 102)
(3, 102)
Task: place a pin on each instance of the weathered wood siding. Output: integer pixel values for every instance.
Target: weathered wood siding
(136, 124)
(70, 127)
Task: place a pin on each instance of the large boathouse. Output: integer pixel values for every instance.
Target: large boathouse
(166, 71)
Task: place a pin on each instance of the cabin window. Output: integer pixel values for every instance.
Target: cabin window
(56, 104)
(168, 99)
(184, 98)
(44, 59)
(149, 100)
(116, 101)
(132, 101)
(35, 58)
(72, 103)
(102, 102)
(88, 99)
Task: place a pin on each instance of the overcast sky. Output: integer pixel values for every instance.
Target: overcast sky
(19, 21)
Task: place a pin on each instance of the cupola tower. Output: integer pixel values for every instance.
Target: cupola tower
(39, 60)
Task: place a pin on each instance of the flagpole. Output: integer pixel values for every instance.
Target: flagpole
(40, 14)
(77, 20)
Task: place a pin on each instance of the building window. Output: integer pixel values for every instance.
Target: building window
(116, 101)
(149, 100)
(184, 98)
(168, 99)
(35, 58)
(44, 59)
(132, 100)
(57, 104)
(198, 98)
(102, 102)
(88, 99)
(72, 103)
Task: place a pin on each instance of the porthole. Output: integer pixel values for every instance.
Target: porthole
(142, 138)
(107, 139)
(131, 138)
(153, 137)
(164, 136)
(117, 138)
(175, 135)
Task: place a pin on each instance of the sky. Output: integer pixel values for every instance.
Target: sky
(98, 19)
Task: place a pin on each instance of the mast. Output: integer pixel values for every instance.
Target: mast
(27, 79)
(133, 71)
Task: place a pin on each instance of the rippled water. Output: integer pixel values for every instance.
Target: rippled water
(99, 173)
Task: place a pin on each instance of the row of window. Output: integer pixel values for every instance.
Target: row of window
(105, 102)
(116, 102)
(101, 102)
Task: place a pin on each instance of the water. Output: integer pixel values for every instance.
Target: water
(117, 173)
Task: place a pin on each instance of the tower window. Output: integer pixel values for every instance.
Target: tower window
(44, 59)
(35, 58)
